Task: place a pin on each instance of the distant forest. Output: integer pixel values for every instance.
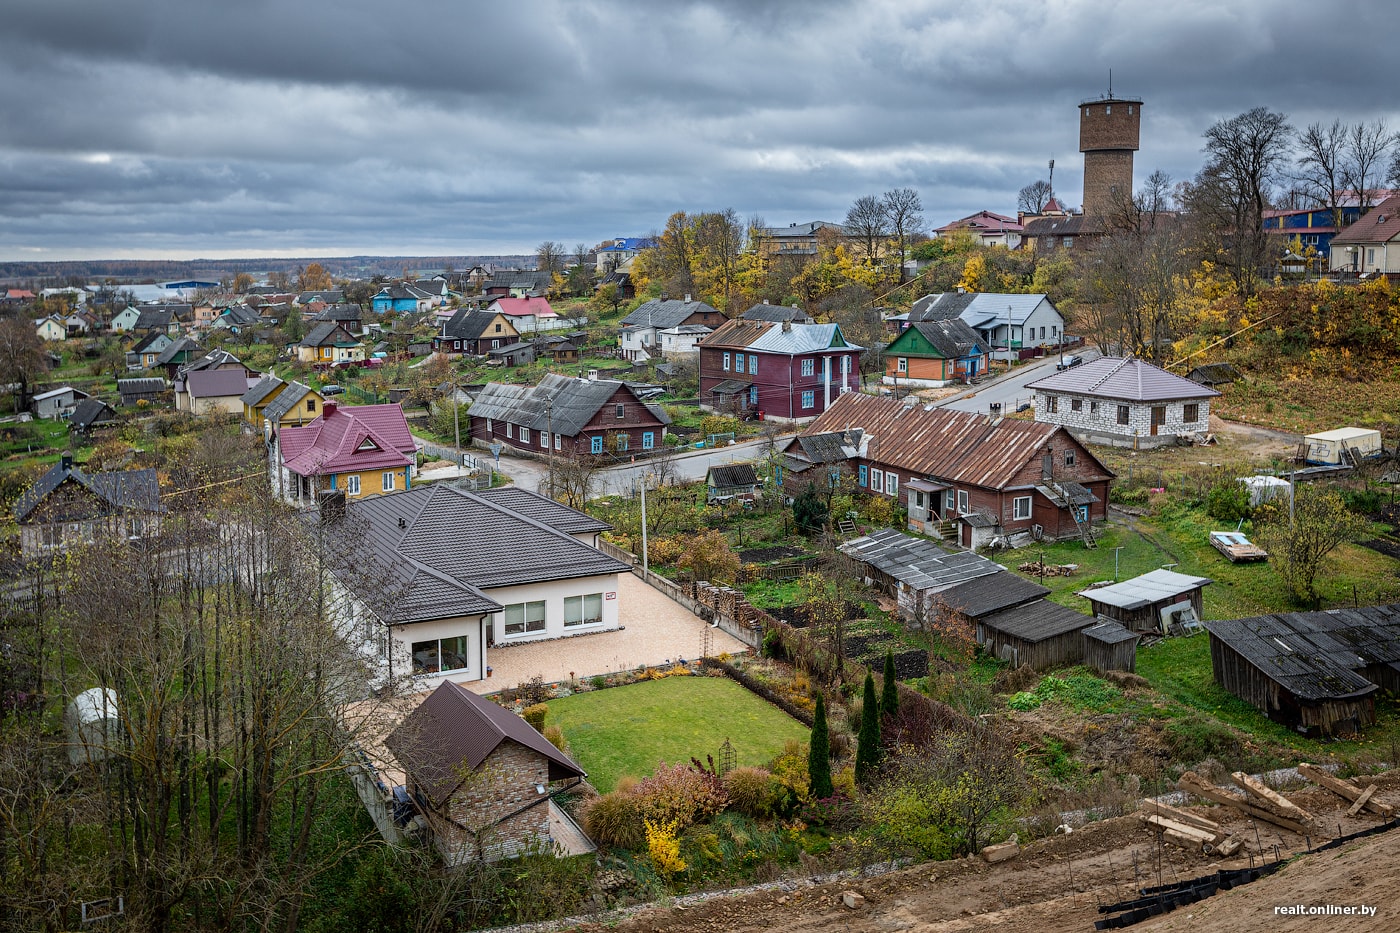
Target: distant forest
(137, 271)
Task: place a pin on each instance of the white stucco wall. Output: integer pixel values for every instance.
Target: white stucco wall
(553, 593)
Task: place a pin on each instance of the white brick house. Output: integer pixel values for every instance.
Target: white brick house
(1123, 402)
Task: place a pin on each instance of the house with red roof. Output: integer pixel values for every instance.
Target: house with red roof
(358, 450)
(990, 228)
(528, 314)
(1364, 247)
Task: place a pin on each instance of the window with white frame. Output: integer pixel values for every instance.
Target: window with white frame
(352, 485)
(753, 364)
(583, 610)
(726, 361)
(440, 655)
(877, 480)
(523, 618)
(809, 399)
(949, 501)
(1021, 507)
(809, 367)
(386, 481)
(902, 365)
(490, 429)
(892, 484)
(962, 502)
(544, 440)
(524, 434)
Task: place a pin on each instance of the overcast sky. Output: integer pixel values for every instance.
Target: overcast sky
(218, 128)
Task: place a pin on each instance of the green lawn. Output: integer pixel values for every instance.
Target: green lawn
(628, 730)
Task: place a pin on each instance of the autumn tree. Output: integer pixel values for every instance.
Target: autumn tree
(314, 278)
(242, 283)
(1033, 197)
(718, 241)
(1299, 544)
(708, 556)
(1321, 165)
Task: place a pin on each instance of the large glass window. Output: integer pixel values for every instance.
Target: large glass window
(583, 610)
(524, 618)
(441, 655)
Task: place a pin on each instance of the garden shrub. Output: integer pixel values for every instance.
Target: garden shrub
(615, 820)
(1362, 501)
(665, 550)
(789, 768)
(878, 510)
(535, 715)
(750, 791)
(663, 846)
(1023, 701)
(555, 735)
(1228, 501)
(681, 793)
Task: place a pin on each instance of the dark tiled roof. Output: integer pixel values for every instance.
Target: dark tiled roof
(735, 474)
(952, 338)
(729, 387)
(768, 312)
(330, 297)
(453, 731)
(1036, 621)
(153, 319)
(340, 312)
(137, 490)
(469, 325)
(146, 342)
(830, 447)
(287, 400)
(943, 306)
(1316, 655)
(544, 509)
(181, 350)
(1129, 379)
(212, 360)
(992, 593)
(327, 333)
(1074, 225)
(217, 383)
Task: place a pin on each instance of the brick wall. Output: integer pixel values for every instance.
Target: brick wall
(500, 785)
(1104, 172)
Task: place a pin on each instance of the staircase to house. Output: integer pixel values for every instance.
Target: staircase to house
(947, 529)
(846, 528)
(1085, 526)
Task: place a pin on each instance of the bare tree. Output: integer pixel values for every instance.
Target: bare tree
(21, 357)
(1245, 154)
(905, 213)
(867, 221)
(1321, 166)
(549, 257)
(1367, 145)
(1033, 198)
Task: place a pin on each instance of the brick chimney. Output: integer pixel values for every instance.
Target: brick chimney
(327, 409)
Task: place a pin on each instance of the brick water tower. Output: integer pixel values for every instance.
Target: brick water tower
(1108, 137)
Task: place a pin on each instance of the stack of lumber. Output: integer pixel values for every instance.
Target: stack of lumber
(1258, 801)
(1042, 569)
(1361, 799)
(1188, 830)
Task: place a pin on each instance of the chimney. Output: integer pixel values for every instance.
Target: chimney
(687, 295)
(787, 326)
(327, 409)
(67, 460)
(593, 375)
(765, 301)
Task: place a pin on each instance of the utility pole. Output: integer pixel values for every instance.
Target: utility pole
(549, 440)
(457, 428)
(646, 567)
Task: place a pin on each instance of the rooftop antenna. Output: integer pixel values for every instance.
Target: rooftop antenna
(1052, 178)
(1110, 82)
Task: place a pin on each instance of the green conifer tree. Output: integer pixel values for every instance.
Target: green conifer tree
(819, 754)
(889, 690)
(868, 742)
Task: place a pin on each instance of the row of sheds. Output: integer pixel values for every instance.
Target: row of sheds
(1013, 619)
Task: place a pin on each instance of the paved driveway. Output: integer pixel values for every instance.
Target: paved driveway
(655, 630)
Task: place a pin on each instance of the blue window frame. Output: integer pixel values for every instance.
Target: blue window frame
(809, 399)
(726, 362)
(778, 474)
(753, 364)
(648, 440)
(864, 470)
(597, 444)
(809, 367)
(753, 395)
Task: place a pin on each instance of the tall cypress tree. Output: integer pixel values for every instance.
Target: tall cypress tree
(819, 753)
(889, 690)
(868, 742)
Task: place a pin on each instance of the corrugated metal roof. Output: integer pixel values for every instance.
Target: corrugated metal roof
(1152, 587)
(562, 404)
(1109, 633)
(1129, 379)
(976, 308)
(772, 337)
(952, 446)
(992, 593)
(917, 562)
(663, 313)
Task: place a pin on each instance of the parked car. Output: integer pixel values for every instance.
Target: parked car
(332, 390)
(1069, 360)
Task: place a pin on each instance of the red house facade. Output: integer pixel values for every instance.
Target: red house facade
(961, 476)
(567, 416)
(788, 371)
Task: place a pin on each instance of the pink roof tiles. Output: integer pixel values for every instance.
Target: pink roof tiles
(520, 307)
(346, 440)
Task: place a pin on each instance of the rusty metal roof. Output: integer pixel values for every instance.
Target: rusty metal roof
(954, 446)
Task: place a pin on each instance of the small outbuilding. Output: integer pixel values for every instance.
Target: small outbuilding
(1265, 488)
(912, 570)
(731, 481)
(1040, 634)
(1160, 601)
(1317, 672)
(1334, 448)
(1108, 646)
(92, 725)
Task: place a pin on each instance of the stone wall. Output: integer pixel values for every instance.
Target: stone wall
(1099, 417)
(478, 820)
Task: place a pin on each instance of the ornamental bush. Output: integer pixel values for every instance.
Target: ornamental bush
(750, 791)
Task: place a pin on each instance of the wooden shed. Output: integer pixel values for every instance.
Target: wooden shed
(1154, 602)
(1108, 646)
(1040, 633)
(1317, 672)
(912, 570)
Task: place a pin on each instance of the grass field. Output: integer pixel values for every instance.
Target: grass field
(628, 730)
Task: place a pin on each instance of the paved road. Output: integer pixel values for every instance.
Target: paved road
(1009, 390)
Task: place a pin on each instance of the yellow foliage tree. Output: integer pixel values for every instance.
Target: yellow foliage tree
(974, 276)
(664, 846)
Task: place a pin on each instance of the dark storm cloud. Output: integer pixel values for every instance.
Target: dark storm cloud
(432, 125)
